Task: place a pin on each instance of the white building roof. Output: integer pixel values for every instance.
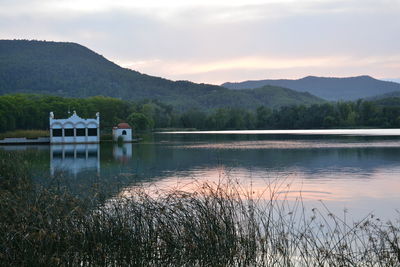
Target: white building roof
(74, 119)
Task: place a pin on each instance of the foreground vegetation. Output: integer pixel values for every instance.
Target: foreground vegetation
(22, 111)
(218, 225)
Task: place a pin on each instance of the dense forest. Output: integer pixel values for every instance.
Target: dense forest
(72, 70)
(28, 111)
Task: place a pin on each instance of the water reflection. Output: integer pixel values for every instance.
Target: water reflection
(74, 158)
(15, 148)
(354, 172)
(122, 152)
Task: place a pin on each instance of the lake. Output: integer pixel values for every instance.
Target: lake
(353, 173)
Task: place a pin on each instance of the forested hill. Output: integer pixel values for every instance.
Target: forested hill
(351, 88)
(69, 69)
(395, 94)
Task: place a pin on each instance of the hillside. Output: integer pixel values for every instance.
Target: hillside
(351, 88)
(393, 101)
(71, 70)
(395, 94)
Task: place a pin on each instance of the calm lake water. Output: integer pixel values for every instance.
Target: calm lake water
(351, 171)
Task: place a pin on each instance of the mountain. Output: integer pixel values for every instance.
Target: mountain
(351, 88)
(72, 70)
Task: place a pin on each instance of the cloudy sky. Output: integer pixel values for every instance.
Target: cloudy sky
(214, 41)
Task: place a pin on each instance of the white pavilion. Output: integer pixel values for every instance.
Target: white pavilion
(74, 129)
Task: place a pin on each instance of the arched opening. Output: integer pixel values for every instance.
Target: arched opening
(80, 129)
(68, 129)
(92, 129)
(56, 129)
(123, 132)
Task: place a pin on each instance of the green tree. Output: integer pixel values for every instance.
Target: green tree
(194, 119)
(263, 117)
(140, 121)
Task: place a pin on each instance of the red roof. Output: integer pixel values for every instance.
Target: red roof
(123, 125)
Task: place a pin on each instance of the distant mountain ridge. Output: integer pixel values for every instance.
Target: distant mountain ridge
(396, 80)
(72, 70)
(351, 88)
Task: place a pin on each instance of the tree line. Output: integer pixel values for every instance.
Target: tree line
(26, 111)
(381, 114)
(31, 111)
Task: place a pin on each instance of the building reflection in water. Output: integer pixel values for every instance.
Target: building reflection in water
(74, 158)
(122, 152)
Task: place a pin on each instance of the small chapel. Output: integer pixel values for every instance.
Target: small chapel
(122, 131)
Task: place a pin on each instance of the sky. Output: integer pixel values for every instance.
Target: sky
(216, 41)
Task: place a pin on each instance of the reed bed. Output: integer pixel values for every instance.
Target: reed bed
(30, 134)
(217, 225)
